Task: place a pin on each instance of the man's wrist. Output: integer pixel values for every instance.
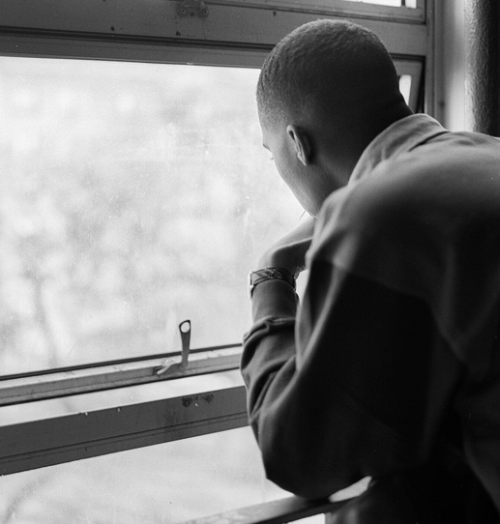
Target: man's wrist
(269, 273)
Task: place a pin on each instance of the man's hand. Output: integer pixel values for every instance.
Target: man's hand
(290, 251)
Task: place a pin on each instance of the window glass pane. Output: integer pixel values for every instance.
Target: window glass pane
(405, 82)
(133, 196)
(85, 402)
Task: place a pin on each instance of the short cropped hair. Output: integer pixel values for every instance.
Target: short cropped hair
(307, 68)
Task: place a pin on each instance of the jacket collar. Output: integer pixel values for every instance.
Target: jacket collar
(400, 137)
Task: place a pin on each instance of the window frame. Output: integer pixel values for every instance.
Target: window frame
(64, 438)
(121, 30)
(341, 7)
(22, 388)
(236, 33)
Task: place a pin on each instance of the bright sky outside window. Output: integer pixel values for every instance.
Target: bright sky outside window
(405, 86)
(133, 197)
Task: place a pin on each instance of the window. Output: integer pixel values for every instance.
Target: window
(136, 195)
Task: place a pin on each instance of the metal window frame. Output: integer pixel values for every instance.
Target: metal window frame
(76, 380)
(68, 437)
(97, 29)
(341, 7)
(161, 18)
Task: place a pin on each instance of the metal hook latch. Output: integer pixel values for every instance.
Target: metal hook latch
(185, 331)
(192, 8)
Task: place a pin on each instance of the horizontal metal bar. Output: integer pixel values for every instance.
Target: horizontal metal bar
(229, 25)
(96, 47)
(327, 7)
(66, 438)
(276, 512)
(109, 376)
(114, 362)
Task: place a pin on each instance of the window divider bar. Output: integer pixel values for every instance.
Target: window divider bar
(46, 386)
(39, 443)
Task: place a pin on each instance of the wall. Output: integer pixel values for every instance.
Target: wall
(468, 65)
(450, 63)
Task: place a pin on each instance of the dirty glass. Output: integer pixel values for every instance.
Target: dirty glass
(132, 197)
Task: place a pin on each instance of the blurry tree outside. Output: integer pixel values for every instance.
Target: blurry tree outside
(133, 196)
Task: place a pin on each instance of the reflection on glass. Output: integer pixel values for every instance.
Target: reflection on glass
(132, 197)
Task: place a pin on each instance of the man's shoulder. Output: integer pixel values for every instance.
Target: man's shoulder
(425, 197)
(450, 171)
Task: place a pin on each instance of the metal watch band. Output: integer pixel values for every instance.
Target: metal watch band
(269, 273)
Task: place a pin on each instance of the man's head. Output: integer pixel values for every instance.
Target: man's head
(328, 88)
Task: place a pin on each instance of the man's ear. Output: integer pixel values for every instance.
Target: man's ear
(301, 142)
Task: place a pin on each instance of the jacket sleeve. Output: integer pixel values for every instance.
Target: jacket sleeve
(352, 383)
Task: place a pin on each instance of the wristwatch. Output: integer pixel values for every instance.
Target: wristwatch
(269, 273)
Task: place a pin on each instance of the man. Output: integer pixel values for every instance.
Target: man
(390, 365)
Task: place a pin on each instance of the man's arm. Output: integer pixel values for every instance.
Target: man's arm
(354, 383)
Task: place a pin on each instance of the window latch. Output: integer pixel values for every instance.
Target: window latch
(192, 8)
(185, 331)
